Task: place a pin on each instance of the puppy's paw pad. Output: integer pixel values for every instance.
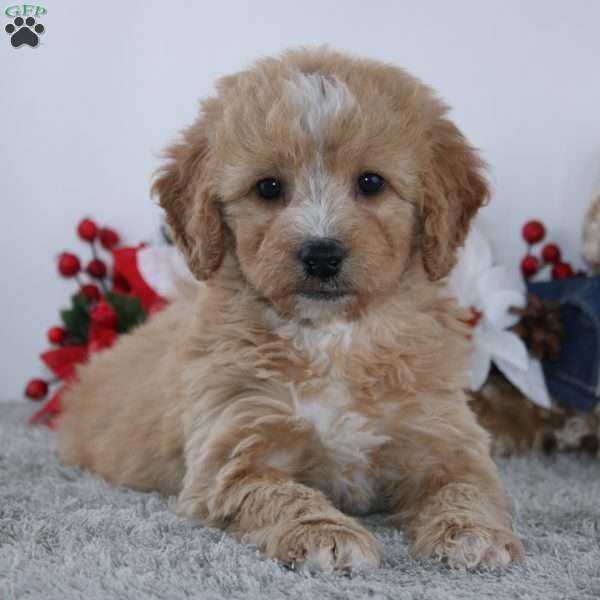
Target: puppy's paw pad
(479, 547)
(328, 547)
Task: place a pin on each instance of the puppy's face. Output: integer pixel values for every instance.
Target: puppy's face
(325, 178)
(321, 201)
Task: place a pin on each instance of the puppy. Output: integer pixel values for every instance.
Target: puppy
(319, 373)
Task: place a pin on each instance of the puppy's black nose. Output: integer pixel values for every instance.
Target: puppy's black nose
(322, 258)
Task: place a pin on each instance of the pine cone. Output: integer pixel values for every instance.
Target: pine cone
(540, 327)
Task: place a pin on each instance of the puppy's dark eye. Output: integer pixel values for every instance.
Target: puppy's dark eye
(370, 184)
(269, 188)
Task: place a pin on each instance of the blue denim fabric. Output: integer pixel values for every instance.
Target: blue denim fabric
(574, 378)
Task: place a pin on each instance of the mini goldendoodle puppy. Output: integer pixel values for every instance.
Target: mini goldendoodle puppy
(320, 371)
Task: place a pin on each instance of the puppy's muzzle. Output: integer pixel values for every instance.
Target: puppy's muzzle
(322, 258)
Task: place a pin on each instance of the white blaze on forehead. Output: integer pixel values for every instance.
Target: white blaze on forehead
(319, 100)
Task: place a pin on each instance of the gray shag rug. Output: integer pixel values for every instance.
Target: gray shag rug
(65, 534)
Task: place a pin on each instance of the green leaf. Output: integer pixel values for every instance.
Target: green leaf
(80, 302)
(130, 312)
(77, 319)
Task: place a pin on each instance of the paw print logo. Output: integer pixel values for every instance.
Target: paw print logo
(24, 32)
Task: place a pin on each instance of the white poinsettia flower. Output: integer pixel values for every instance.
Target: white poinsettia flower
(490, 291)
(162, 267)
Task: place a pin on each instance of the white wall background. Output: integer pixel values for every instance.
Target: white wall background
(84, 116)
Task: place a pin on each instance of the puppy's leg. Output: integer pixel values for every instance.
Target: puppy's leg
(246, 476)
(445, 491)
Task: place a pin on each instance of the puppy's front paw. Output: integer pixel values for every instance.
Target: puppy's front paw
(322, 543)
(471, 547)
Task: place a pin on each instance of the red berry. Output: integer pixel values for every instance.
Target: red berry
(108, 238)
(87, 230)
(533, 232)
(90, 291)
(56, 335)
(68, 264)
(36, 389)
(562, 271)
(96, 268)
(104, 314)
(551, 253)
(530, 265)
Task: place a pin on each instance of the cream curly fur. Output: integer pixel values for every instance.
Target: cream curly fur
(277, 415)
(591, 235)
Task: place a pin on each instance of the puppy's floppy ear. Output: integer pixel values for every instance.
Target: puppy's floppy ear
(193, 216)
(454, 190)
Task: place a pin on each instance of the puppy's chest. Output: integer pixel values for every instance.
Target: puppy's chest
(349, 424)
